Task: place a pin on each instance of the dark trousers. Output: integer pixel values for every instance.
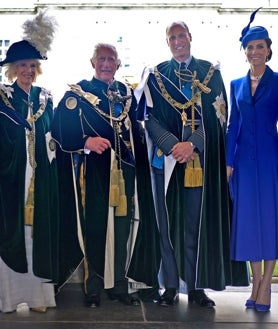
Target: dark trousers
(191, 217)
(169, 269)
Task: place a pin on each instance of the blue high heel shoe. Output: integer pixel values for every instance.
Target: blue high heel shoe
(250, 303)
(262, 307)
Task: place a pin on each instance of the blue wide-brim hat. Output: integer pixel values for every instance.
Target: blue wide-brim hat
(19, 51)
(253, 33)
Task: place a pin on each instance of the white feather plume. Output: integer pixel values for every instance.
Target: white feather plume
(39, 32)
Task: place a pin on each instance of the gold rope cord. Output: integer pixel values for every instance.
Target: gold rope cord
(193, 176)
(82, 184)
(31, 135)
(29, 205)
(117, 196)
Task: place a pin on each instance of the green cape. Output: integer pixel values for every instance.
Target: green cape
(12, 191)
(215, 270)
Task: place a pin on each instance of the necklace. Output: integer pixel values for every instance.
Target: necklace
(256, 77)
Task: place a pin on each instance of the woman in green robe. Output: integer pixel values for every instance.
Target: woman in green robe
(29, 209)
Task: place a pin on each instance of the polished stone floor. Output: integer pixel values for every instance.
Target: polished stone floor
(70, 313)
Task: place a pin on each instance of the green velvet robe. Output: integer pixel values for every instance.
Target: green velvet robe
(214, 268)
(13, 158)
(71, 139)
(70, 252)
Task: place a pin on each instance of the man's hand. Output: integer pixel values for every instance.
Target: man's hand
(183, 152)
(97, 144)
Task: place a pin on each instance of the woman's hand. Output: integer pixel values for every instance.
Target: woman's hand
(229, 172)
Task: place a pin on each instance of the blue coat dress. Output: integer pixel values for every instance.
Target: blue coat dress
(252, 150)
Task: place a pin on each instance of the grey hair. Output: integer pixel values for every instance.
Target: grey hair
(100, 46)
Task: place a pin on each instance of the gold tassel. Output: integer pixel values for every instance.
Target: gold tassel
(121, 209)
(82, 185)
(193, 176)
(188, 175)
(198, 171)
(114, 186)
(29, 214)
(29, 206)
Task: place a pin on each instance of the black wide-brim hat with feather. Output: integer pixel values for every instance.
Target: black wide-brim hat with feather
(37, 39)
(21, 50)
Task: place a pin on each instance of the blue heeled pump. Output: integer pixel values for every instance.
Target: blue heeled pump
(262, 307)
(250, 303)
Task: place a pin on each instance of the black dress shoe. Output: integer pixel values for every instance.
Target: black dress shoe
(169, 297)
(124, 298)
(200, 298)
(92, 301)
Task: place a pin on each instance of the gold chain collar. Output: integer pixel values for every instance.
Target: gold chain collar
(38, 114)
(5, 99)
(94, 101)
(202, 87)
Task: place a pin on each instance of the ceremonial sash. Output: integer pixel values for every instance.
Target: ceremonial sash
(7, 110)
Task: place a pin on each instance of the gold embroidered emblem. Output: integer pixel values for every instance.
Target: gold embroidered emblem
(159, 153)
(52, 145)
(71, 103)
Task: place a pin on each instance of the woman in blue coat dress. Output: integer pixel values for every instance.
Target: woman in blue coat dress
(252, 165)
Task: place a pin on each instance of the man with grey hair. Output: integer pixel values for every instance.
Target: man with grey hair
(101, 124)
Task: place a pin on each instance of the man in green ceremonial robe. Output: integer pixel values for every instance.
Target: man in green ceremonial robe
(185, 106)
(97, 119)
